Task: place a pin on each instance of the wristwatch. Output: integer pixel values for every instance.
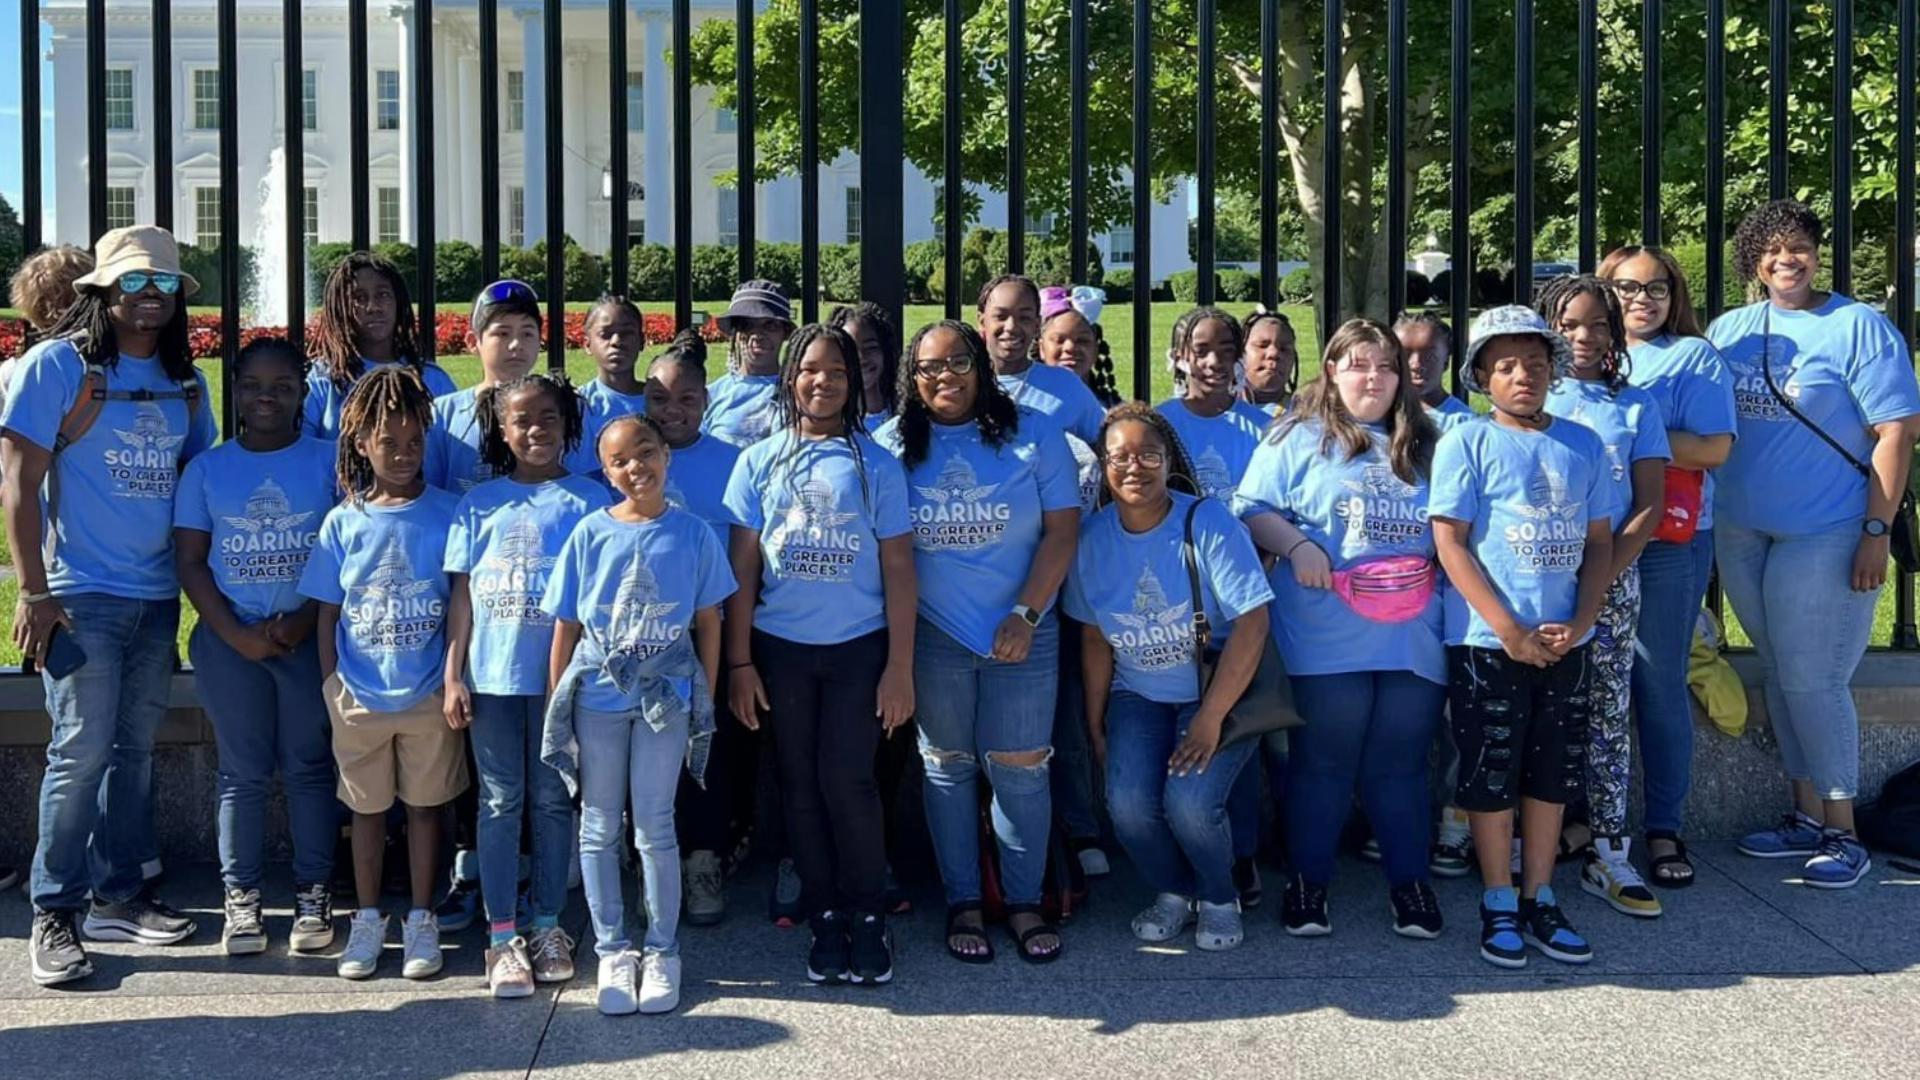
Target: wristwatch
(1874, 527)
(1030, 616)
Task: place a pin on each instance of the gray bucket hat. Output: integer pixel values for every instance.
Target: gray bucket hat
(757, 299)
(1512, 319)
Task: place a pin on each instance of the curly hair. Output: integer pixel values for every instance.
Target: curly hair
(1767, 223)
(994, 412)
(881, 323)
(1183, 330)
(1552, 302)
(384, 394)
(88, 325)
(487, 413)
(336, 345)
(42, 288)
(1023, 281)
(1411, 436)
(278, 348)
(1682, 320)
(853, 412)
(1180, 475)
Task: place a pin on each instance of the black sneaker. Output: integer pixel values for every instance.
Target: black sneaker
(312, 917)
(1304, 909)
(830, 956)
(141, 920)
(1246, 881)
(244, 934)
(460, 908)
(55, 949)
(1546, 929)
(1416, 911)
(871, 951)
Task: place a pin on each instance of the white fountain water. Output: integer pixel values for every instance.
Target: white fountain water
(271, 260)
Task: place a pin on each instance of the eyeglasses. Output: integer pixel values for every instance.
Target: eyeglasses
(501, 292)
(166, 284)
(1152, 459)
(1658, 289)
(936, 366)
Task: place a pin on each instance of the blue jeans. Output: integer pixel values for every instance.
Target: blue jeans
(506, 748)
(1673, 584)
(1174, 828)
(621, 757)
(970, 707)
(268, 714)
(1071, 775)
(97, 796)
(1373, 729)
(1810, 629)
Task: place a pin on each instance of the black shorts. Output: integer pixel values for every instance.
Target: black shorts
(1521, 730)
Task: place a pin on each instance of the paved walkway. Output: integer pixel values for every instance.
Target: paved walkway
(1748, 975)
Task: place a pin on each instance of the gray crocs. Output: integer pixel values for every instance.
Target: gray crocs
(1165, 919)
(1219, 926)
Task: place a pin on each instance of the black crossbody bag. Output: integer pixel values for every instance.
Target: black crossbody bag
(1904, 534)
(1267, 702)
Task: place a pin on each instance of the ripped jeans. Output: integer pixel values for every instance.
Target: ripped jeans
(1522, 731)
(970, 707)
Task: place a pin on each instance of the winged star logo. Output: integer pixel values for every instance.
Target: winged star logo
(268, 510)
(814, 512)
(637, 604)
(392, 577)
(1548, 495)
(1379, 480)
(150, 430)
(521, 549)
(1151, 608)
(957, 483)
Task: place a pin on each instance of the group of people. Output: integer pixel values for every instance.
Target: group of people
(653, 602)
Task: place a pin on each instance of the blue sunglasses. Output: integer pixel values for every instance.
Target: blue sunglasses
(501, 292)
(137, 282)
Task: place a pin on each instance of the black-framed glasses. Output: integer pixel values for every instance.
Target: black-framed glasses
(1657, 289)
(163, 282)
(935, 366)
(1152, 459)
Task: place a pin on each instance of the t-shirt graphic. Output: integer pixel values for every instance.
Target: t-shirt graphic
(810, 539)
(1157, 634)
(1548, 532)
(640, 625)
(1211, 472)
(1088, 464)
(147, 462)
(956, 514)
(513, 577)
(389, 614)
(270, 541)
(1380, 510)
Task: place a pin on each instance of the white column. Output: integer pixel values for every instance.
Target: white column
(403, 62)
(469, 142)
(534, 63)
(657, 91)
(579, 187)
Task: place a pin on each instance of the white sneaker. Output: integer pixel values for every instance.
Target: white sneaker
(619, 975)
(1610, 875)
(659, 983)
(420, 935)
(366, 937)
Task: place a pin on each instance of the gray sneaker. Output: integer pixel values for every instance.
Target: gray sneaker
(244, 934)
(55, 949)
(141, 920)
(551, 955)
(420, 940)
(706, 898)
(366, 938)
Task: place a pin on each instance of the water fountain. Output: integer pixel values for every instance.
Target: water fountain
(271, 260)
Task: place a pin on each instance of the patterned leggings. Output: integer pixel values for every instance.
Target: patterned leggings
(1610, 753)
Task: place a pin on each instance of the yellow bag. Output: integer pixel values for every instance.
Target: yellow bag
(1714, 682)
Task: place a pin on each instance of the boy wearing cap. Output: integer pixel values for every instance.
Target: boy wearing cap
(505, 330)
(101, 418)
(1521, 509)
(740, 404)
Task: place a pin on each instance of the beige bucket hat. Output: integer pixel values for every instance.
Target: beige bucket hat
(137, 248)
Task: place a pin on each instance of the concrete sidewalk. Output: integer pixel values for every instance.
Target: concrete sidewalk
(1748, 974)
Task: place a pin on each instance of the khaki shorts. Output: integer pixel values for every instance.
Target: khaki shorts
(412, 755)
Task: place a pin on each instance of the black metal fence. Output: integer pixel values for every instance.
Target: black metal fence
(882, 55)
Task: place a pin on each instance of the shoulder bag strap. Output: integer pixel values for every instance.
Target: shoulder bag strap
(1202, 627)
(1766, 369)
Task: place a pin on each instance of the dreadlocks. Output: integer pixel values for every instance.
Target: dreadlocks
(88, 325)
(853, 411)
(1181, 346)
(1179, 465)
(489, 409)
(386, 394)
(993, 410)
(880, 324)
(336, 345)
(1561, 291)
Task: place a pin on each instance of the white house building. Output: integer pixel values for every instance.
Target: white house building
(588, 143)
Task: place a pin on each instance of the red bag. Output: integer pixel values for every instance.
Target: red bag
(1680, 517)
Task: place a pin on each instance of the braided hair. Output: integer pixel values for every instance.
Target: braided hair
(1102, 380)
(384, 394)
(1023, 281)
(881, 325)
(1767, 223)
(489, 413)
(630, 420)
(1182, 342)
(1180, 474)
(87, 325)
(336, 345)
(853, 411)
(1554, 297)
(690, 342)
(993, 410)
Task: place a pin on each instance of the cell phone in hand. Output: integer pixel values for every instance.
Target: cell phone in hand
(64, 655)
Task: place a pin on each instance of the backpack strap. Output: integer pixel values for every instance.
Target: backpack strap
(88, 404)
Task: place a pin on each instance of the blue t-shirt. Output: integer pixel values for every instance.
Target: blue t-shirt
(115, 530)
(1220, 447)
(505, 537)
(977, 521)
(453, 444)
(1449, 412)
(263, 512)
(1693, 389)
(821, 516)
(1356, 510)
(1086, 466)
(320, 413)
(1134, 587)
(1529, 497)
(381, 566)
(740, 409)
(600, 403)
(697, 476)
(1842, 365)
(1628, 423)
(634, 588)
(875, 421)
(1060, 394)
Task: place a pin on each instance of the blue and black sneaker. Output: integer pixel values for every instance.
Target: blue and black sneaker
(1797, 836)
(1548, 930)
(1500, 940)
(1840, 862)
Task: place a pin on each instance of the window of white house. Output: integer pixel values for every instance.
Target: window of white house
(386, 84)
(310, 100)
(853, 215)
(724, 121)
(637, 227)
(1041, 225)
(206, 217)
(310, 215)
(119, 207)
(1120, 245)
(636, 101)
(206, 98)
(119, 91)
(727, 202)
(517, 217)
(387, 216)
(516, 117)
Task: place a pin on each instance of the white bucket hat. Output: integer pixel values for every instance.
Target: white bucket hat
(1513, 319)
(146, 249)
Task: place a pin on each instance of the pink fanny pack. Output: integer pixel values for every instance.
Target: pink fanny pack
(1388, 590)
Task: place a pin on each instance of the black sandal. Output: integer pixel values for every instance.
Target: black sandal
(1039, 929)
(1673, 871)
(956, 929)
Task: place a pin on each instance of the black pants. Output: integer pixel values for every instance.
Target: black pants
(1521, 730)
(705, 816)
(825, 736)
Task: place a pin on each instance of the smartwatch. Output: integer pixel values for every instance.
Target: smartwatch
(1875, 527)
(1028, 615)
